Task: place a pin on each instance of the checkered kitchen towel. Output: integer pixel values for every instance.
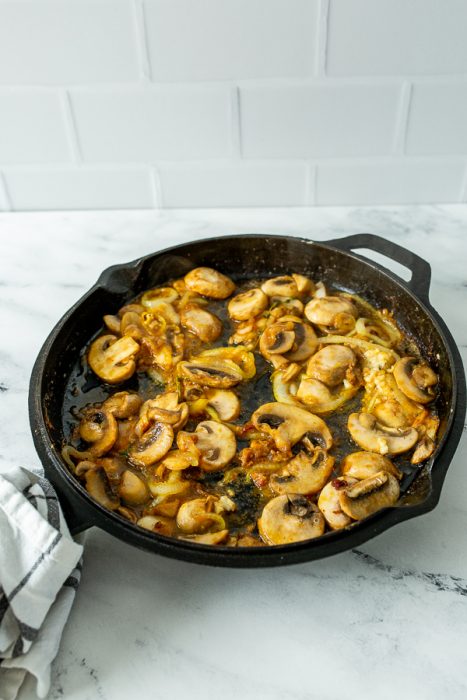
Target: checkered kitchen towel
(39, 574)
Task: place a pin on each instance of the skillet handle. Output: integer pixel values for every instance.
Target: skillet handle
(419, 283)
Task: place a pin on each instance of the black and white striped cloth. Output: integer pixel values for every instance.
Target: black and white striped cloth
(40, 569)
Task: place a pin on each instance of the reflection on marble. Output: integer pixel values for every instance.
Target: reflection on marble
(388, 620)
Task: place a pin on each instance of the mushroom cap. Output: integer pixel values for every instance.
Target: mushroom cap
(330, 364)
(201, 323)
(157, 524)
(306, 473)
(98, 487)
(290, 518)
(99, 428)
(305, 343)
(248, 304)
(209, 283)
(329, 505)
(370, 495)
(415, 379)
(123, 404)
(208, 537)
(133, 490)
(373, 437)
(322, 311)
(304, 284)
(288, 424)
(153, 445)
(361, 465)
(195, 516)
(211, 371)
(216, 443)
(112, 358)
(225, 403)
(283, 286)
(277, 339)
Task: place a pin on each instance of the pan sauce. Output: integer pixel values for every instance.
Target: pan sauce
(208, 449)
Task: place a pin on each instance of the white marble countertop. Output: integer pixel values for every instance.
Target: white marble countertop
(386, 621)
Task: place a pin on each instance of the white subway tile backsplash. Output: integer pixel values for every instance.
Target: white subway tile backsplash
(145, 124)
(397, 37)
(80, 188)
(31, 127)
(323, 120)
(67, 42)
(438, 119)
(401, 181)
(231, 39)
(233, 184)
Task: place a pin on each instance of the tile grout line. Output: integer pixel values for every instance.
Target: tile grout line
(70, 127)
(5, 199)
(156, 186)
(142, 41)
(402, 119)
(322, 39)
(236, 127)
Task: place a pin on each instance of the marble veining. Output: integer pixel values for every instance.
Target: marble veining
(386, 620)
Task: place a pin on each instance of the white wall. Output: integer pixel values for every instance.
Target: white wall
(167, 103)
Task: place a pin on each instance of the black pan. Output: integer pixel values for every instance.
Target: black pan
(243, 257)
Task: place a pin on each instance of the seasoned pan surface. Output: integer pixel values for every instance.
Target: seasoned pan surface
(243, 257)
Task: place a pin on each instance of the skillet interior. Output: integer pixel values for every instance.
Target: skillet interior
(239, 257)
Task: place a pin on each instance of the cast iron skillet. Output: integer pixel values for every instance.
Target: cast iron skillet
(241, 257)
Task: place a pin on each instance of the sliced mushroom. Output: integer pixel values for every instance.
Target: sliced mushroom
(290, 518)
(277, 339)
(374, 437)
(201, 323)
(329, 505)
(153, 445)
(284, 286)
(306, 473)
(211, 372)
(225, 403)
(289, 337)
(288, 424)
(361, 465)
(332, 314)
(319, 398)
(304, 284)
(112, 359)
(304, 345)
(99, 428)
(198, 516)
(157, 524)
(133, 490)
(216, 443)
(123, 404)
(163, 409)
(370, 495)
(209, 283)
(208, 537)
(98, 487)
(424, 449)
(415, 379)
(331, 364)
(112, 323)
(248, 304)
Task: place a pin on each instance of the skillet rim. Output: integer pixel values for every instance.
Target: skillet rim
(326, 545)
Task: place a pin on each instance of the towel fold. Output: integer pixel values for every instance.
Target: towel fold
(40, 570)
